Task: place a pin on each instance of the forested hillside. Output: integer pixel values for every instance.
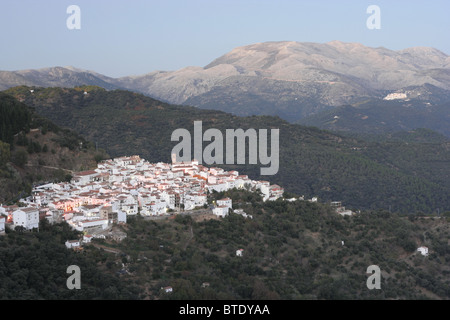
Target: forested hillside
(291, 250)
(381, 117)
(397, 175)
(33, 266)
(34, 150)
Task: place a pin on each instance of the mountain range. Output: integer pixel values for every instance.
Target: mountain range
(292, 80)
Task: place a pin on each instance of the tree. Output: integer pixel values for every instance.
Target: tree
(19, 229)
(20, 158)
(5, 153)
(99, 157)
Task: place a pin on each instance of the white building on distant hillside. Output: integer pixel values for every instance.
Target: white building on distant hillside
(73, 244)
(395, 96)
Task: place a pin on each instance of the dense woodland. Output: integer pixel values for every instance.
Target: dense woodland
(33, 265)
(294, 251)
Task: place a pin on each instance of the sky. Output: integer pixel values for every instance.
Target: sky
(121, 38)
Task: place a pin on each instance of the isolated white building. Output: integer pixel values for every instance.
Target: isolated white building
(423, 250)
(242, 213)
(395, 96)
(168, 289)
(71, 244)
(345, 212)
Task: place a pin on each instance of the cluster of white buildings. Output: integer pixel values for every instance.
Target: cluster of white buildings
(126, 186)
(396, 96)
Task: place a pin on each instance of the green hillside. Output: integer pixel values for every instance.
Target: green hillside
(384, 117)
(405, 177)
(34, 150)
(290, 251)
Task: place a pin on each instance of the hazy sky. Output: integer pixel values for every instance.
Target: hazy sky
(119, 37)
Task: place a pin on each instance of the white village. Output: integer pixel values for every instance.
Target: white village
(95, 200)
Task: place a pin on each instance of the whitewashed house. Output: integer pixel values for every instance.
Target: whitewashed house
(242, 213)
(2, 225)
(84, 177)
(157, 207)
(84, 225)
(219, 187)
(225, 202)
(73, 244)
(264, 187)
(26, 217)
(275, 192)
(194, 199)
(168, 289)
(90, 210)
(221, 211)
(129, 204)
(121, 217)
(189, 204)
(87, 238)
(423, 250)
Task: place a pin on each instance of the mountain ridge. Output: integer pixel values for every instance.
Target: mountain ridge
(285, 78)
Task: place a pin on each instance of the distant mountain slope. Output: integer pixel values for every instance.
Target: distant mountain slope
(286, 78)
(53, 77)
(293, 79)
(403, 176)
(426, 107)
